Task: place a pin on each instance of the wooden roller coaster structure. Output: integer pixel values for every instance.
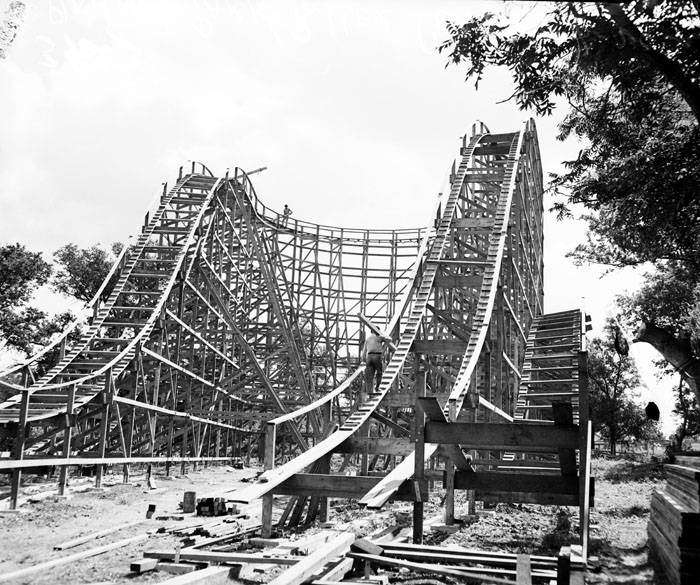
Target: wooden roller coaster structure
(227, 330)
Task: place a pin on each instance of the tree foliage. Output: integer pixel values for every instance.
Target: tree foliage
(21, 325)
(635, 47)
(81, 271)
(630, 73)
(613, 380)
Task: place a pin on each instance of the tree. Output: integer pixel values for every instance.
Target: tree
(613, 378)
(21, 325)
(81, 271)
(685, 406)
(629, 73)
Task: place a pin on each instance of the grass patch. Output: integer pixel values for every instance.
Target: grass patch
(625, 471)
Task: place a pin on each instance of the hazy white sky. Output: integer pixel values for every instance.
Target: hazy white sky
(347, 103)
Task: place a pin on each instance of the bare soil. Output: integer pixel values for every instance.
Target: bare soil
(618, 524)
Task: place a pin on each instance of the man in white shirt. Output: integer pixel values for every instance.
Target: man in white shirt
(372, 356)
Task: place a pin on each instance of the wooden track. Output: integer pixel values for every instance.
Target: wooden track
(130, 309)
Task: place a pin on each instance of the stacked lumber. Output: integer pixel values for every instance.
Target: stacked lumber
(674, 523)
(500, 568)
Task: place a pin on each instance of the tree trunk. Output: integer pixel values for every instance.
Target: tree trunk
(675, 351)
(613, 445)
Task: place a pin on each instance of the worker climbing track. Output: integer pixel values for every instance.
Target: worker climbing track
(228, 330)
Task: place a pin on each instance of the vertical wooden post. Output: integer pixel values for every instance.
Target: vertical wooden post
(104, 427)
(364, 432)
(584, 472)
(419, 455)
(169, 448)
(67, 440)
(324, 467)
(19, 448)
(450, 476)
(129, 442)
(267, 500)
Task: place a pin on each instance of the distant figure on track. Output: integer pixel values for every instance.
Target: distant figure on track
(286, 214)
(372, 356)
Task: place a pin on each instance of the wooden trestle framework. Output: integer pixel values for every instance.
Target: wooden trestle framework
(228, 330)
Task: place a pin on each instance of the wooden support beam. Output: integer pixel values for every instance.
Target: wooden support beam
(458, 280)
(501, 481)
(563, 415)
(419, 460)
(19, 449)
(67, 440)
(332, 486)
(439, 347)
(541, 438)
(374, 445)
(397, 428)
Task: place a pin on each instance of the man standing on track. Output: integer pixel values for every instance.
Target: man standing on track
(372, 356)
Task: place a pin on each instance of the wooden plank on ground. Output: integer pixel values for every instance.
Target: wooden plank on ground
(202, 556)
(431, 568)
(21, 573)
(335, 571)
(308, 566)
(523, 570)
(94, 535)
(210, 576)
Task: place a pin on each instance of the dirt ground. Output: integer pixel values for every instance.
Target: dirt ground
(617, 550)
(28, 537)
(618, 524)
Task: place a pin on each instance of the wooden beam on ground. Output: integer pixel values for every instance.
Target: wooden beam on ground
(308, 566)
(336, 571)
(22, 573)
(523, 571)
(203, 556)
(95, 535)
(431, 568)
(211, 576)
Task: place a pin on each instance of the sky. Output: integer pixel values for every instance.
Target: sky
(348, 104)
